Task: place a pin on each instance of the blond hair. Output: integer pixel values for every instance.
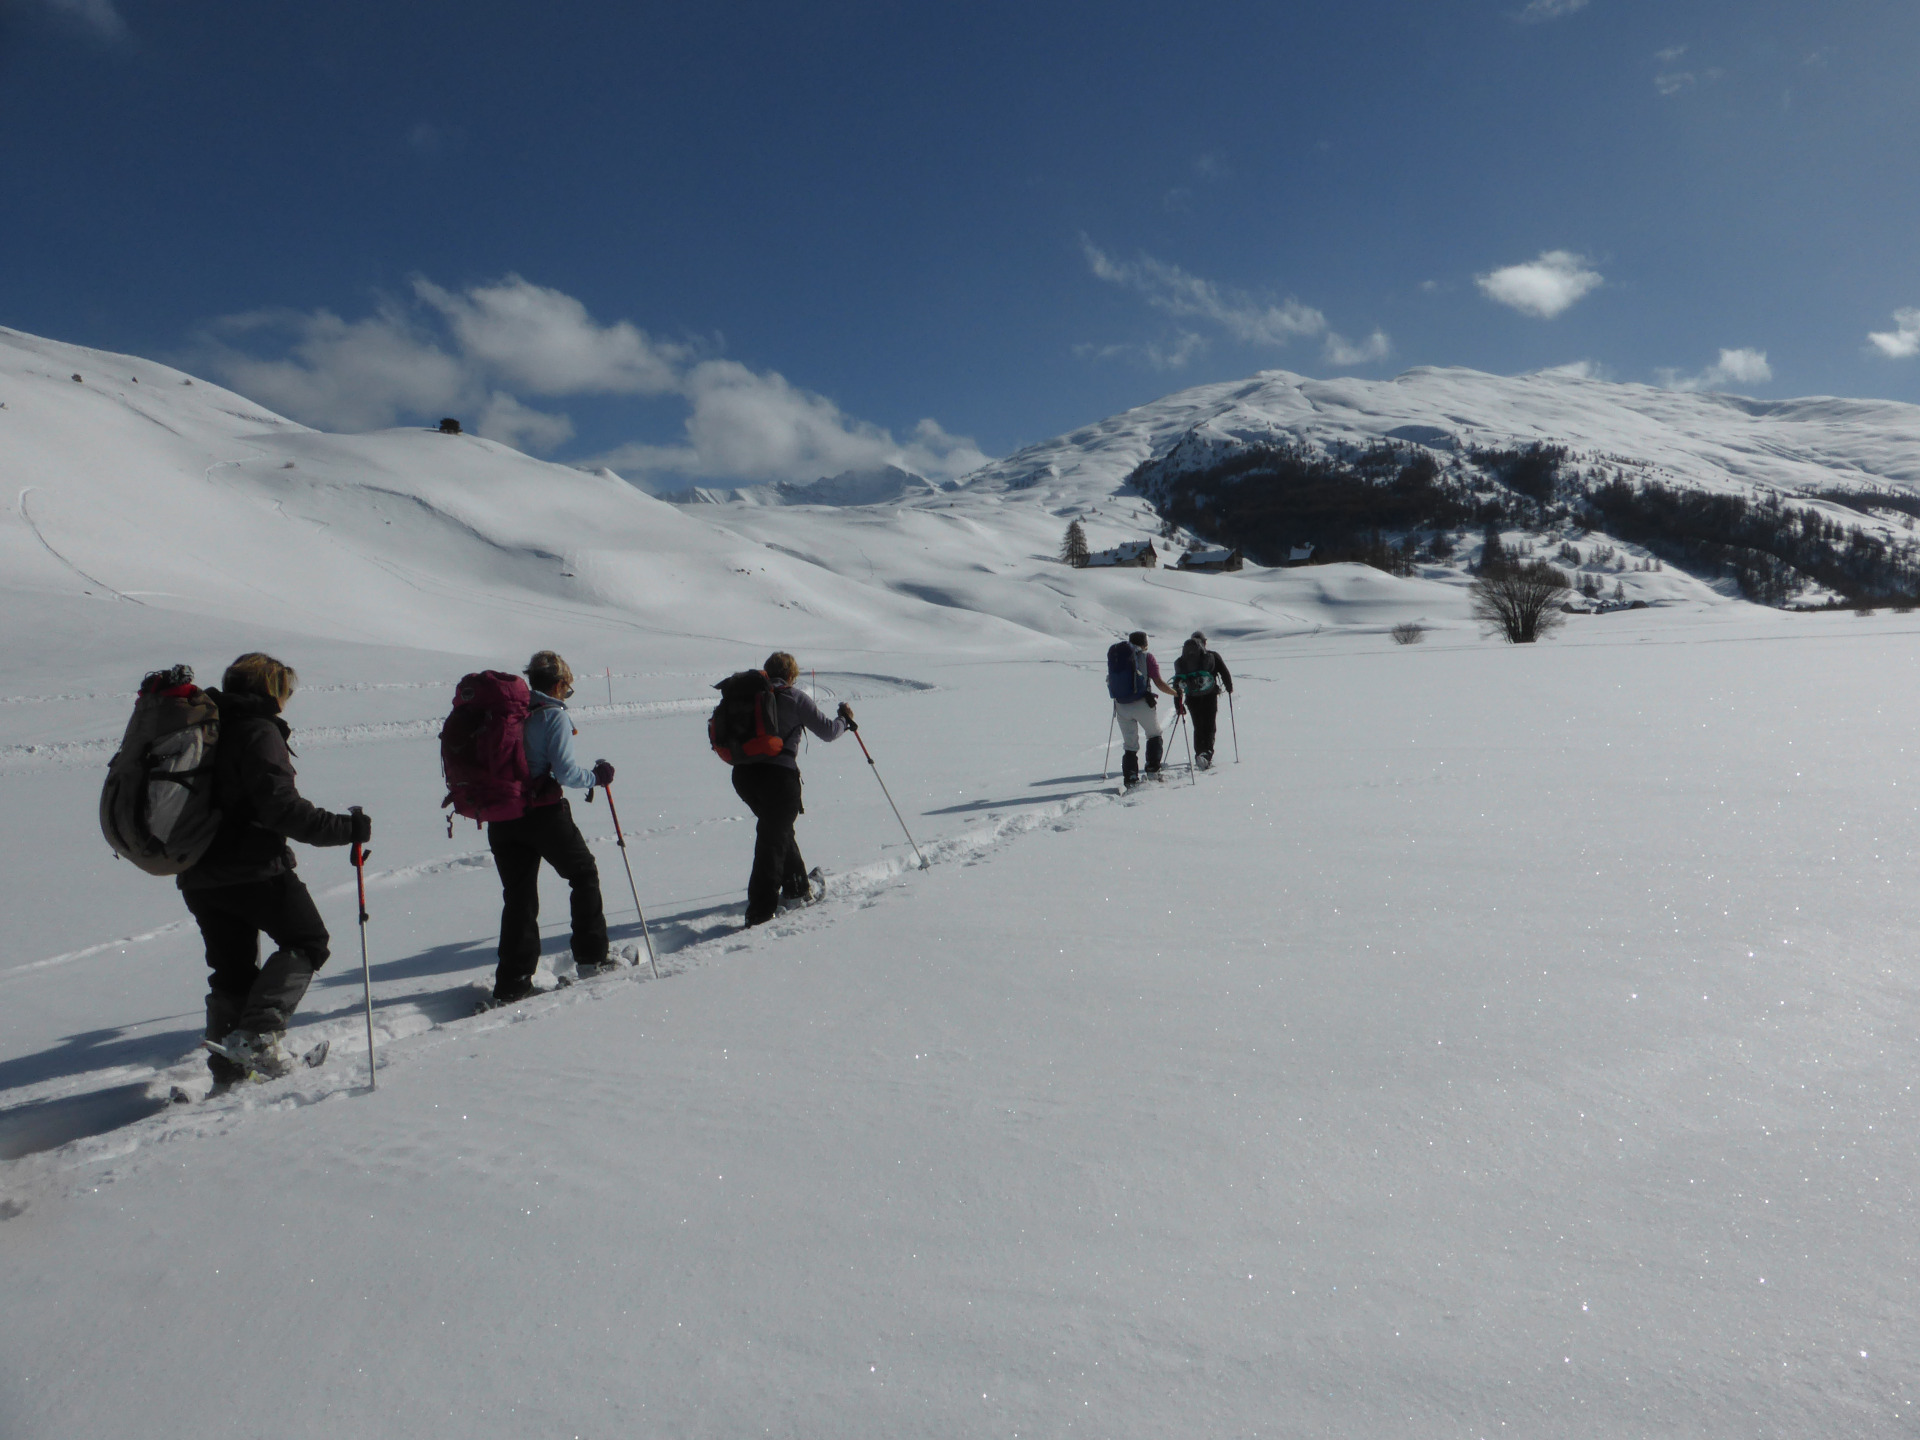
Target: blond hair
(258, 674)
(782, 666)
(547, 672)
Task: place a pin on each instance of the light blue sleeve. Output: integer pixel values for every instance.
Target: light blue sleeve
(550, 740)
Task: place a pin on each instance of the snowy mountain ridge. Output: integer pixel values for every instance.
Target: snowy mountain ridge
(1717, 441)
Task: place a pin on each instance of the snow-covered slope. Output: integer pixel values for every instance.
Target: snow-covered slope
(1490, 1052)
(1717, 441)
(138, 485)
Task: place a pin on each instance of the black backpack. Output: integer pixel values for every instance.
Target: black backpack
(745, 725)
(156, 808)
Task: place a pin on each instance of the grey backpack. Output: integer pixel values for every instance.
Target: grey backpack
(156, 808)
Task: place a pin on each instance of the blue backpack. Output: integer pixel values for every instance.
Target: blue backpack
(1126, 672)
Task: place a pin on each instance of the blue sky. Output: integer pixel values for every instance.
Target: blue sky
(757, 241)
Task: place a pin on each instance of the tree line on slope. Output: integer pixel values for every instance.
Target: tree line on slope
(1371, 504)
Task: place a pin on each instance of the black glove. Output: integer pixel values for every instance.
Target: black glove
(1179, 706)
(362, 827)
(603, 772)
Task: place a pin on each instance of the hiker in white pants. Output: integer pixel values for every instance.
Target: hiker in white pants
(1140, 714)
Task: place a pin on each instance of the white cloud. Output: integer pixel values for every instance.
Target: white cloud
(1536, 11)
(1172, 356)
(1342, 352)
(1903, 341)
(1544, 286)
(99, 16)
(1576, 370)
(546, 342)
(479, 351)
(507, 420)
(754, 425)
(1175, 291)
(1673, 84)
(1670, 54)
(340, 374)
(1734, 367)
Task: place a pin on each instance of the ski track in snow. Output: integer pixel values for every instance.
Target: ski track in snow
(405, 1028)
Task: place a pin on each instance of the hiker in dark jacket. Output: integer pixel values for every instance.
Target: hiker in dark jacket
(245, 884)
(771, 788)
(546, 832)
(1200, 676)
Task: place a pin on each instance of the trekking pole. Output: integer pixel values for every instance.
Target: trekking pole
(1106, 764)
(888, 793)
(620, 835)
(359, 861)
(1191, 778)
(1236, 728)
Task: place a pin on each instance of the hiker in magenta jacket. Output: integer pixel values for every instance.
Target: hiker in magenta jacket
(546, 832)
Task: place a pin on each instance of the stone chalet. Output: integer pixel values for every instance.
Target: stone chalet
(1211, 561)
(1128, 552)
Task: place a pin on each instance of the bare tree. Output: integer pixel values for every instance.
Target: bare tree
(1521, 602)
(1073, 549)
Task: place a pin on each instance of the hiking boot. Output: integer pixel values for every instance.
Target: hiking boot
(1205, 759)
(258, 1053)
(587, 969)
(1130, 767)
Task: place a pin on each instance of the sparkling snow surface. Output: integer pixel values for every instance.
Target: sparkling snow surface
(1517, 1041)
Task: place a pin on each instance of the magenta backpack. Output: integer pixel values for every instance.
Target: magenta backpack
(483, 750)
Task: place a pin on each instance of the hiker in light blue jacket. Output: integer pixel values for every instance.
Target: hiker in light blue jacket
(545, 831)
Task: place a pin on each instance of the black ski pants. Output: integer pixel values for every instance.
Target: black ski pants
(772, 792)
(546, 832)
(243, 994)
(1205, 710)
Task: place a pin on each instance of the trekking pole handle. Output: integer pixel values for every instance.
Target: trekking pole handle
(358, 859)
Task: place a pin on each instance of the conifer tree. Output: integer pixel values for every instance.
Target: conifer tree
(1073, 549)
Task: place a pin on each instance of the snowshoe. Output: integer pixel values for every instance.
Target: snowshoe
(259, 1054)
(498, 999)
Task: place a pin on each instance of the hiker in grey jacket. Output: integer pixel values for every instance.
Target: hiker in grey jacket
(770, 785)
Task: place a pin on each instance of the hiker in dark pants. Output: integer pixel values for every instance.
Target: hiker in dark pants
(546, 832)
(244, 884)
(771, 788)
(1200, 676)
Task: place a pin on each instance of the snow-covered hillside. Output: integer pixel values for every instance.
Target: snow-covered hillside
(1704, 439)
(1502, 1040)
